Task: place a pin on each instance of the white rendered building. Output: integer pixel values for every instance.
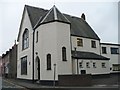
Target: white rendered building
(112, 51)
(52, 42)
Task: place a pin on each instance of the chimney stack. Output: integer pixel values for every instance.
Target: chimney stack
(83, 16)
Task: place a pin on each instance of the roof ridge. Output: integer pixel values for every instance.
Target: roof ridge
(55, 13)
(35, 7)
(46, 15)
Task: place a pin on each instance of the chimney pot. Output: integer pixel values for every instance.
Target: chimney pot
(83, 16)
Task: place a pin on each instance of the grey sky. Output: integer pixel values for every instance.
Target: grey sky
(101, 16)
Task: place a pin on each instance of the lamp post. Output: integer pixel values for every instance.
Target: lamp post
(54, 74)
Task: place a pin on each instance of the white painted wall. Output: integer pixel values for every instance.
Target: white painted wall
(114, 58)
(52, 37)
(92, 70)
(86, 45)
(27, 52)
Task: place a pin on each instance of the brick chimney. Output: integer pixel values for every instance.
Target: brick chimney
(83, 16)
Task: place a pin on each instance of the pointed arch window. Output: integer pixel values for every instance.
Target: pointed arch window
(25, 39)
(36, 36)
(64, 54)
(48, 61)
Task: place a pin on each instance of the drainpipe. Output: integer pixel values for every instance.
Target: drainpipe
(77, 60)
(33, 56)
(54, 74)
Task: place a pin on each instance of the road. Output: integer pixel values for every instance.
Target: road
(9, 85)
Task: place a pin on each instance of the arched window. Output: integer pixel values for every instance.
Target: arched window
(64, 54)
(25, 39)
(36, 36)
(48, 61)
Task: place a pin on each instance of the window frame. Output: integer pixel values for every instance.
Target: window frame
(24, 65)
(64, 55)
(36, 36)
(116, 67)
(88, 64)
(94, 65)
(104, 50)
(80, 64)
(93, 44)
(79, 42)
(49, 62)
(103, 65)
(25, 39)
(114, 52)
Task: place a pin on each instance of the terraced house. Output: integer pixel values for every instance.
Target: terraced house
(52, 43)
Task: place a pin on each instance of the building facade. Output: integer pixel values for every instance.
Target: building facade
(0, 65)
(113, 52)
(9, 63)
(51, 43)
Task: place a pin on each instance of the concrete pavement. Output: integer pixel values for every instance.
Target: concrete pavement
(99, 84)
(35, 86)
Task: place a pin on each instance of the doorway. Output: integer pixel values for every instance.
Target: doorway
(83, 71)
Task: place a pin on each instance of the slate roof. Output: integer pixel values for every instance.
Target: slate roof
(54, 14)
(79, 27)
(87, 55)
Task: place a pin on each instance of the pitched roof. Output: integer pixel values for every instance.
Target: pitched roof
(54, 14)
(79, 27)
(87, 55)
(35, 14)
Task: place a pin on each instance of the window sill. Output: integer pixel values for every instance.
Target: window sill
(25, 48)
(64, 60)
(49, 69)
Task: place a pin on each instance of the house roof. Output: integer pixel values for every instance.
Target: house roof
(87, 55)
(79, 27)
(54, 14)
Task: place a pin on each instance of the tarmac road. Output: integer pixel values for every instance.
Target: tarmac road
(6, 85)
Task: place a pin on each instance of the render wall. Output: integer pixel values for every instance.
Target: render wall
(52, 37)
(86, 45)
(91, 69)
(114, 58)
(27, 52)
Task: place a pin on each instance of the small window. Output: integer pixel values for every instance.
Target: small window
(88, 65)
(64, 54)
(104, 50)
(24, 65)
(36, 36)
(79, 42)
(94, 65)
(48, 61)
(114, 50)
(93, 44)
(25, 39)
(103, 65)
(116, 67)
(80, 65)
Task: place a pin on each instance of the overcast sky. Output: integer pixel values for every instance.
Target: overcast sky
(101, 16)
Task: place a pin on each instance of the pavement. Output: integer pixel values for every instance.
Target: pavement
(8, 84)
(99, 84)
